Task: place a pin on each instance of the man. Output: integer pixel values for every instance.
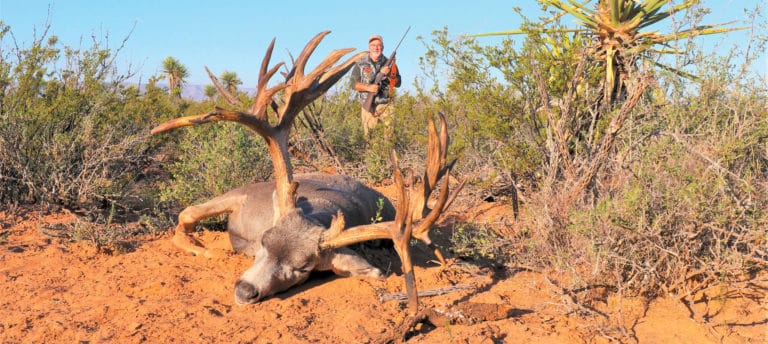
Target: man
(362, 80)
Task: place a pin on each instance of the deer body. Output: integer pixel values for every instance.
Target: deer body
(319, 197)
(287, 248)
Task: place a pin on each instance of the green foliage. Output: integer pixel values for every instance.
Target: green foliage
(679, 195)
(666, 194)
(379, 208)
(72, 133)
(479, 243)
(683, 204)
(213, 159)
(495, 125)
(339, 114)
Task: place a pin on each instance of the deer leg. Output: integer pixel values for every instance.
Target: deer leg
(182, 238)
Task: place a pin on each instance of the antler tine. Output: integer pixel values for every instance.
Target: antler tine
(422, 229)
(304, 89)
(401, 234)
(334, 74)
(436, 166)
(218, 114)
(223, 91)
(322, 68)
(265, 64)
(436, 155)
(263, 96)
(301, 61)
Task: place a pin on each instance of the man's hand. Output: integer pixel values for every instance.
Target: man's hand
(371, 88)
(384, 70)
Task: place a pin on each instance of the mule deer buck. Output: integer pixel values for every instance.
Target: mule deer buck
(295, 225)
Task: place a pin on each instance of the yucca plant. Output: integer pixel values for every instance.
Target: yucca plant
(177, 75)
(620, 40)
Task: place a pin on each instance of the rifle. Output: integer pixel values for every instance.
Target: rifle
(368, 103)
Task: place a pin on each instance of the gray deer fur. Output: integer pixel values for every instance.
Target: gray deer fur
(287, 251)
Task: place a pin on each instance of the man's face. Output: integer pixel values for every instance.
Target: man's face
(374, 48)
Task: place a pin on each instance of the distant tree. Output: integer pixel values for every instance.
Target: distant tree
(230, 81)
(210, 92)
(177, 73)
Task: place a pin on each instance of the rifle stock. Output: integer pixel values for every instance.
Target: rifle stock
(368, 103)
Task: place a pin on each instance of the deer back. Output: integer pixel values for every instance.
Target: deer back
(319, 197)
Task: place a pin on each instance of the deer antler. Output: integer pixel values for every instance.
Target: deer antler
(437, 151)
(411, 201)
(300, 90)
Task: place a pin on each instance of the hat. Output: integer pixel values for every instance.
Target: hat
(375, 37)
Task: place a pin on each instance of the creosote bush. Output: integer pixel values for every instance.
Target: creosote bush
(73, 133)
(213, 159)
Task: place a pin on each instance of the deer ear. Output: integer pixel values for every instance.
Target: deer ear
(345, 262)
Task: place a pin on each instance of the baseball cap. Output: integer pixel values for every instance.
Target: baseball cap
(375, 37)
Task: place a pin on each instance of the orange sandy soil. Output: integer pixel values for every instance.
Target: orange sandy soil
(56, 290)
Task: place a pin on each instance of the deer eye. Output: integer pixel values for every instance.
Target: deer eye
(307, 267)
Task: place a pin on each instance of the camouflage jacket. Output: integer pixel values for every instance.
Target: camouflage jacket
(365, 71)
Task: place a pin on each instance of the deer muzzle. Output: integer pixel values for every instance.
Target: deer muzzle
(246, 293)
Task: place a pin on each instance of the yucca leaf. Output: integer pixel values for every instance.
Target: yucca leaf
(665, 51)
(680, 7)
(503, 33)
(615, 11)
(650, 7)
(698, 31)
(610, 72)
(656, 17)
(676, 71)
(523, 32)
(583, 6)
(577, 10)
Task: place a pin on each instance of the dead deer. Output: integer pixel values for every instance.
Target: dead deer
(293, 226)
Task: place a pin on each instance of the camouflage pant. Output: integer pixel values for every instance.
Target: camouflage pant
(382, 113)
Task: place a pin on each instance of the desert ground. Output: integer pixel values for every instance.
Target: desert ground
(55, 289)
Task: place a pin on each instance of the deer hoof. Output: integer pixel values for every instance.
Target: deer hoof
(376, 273)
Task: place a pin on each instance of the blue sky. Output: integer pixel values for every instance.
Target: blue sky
(233, 35)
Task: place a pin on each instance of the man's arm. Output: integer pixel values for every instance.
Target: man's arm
(370, 88)
(358, 86)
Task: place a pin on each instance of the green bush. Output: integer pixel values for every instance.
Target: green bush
(72, 132)
(675, 201)
(213, 159)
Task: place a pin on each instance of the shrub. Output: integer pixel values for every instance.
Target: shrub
(213, 159)
(73, 135)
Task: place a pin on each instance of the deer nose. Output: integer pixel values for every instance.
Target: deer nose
(245, 293)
